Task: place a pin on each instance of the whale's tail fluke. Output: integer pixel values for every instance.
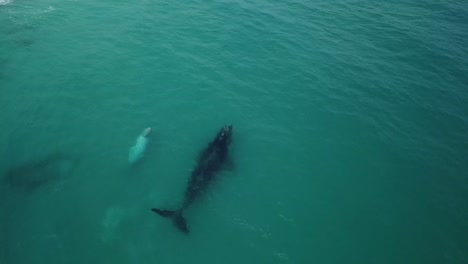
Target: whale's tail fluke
(176, 216)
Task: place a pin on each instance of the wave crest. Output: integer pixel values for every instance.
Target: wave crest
(4, 2)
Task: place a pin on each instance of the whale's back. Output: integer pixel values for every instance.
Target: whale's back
(138, 150)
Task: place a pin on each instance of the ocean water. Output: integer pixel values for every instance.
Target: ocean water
(350, 122)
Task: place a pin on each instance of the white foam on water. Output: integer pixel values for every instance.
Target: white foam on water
(5, 2)
(26, 15)
(28, 10)
(48, 9)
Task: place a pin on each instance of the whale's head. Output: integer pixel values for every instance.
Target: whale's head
(225, 134)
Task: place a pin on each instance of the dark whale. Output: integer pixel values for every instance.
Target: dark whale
(210, 161)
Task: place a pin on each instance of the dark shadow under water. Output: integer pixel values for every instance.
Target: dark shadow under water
(34, 174)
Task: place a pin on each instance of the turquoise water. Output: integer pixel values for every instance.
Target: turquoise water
(350, 130)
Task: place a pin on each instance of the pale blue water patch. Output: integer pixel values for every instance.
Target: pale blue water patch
(350, 130)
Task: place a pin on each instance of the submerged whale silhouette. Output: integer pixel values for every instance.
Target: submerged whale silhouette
(210, 161)
(31, 175)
